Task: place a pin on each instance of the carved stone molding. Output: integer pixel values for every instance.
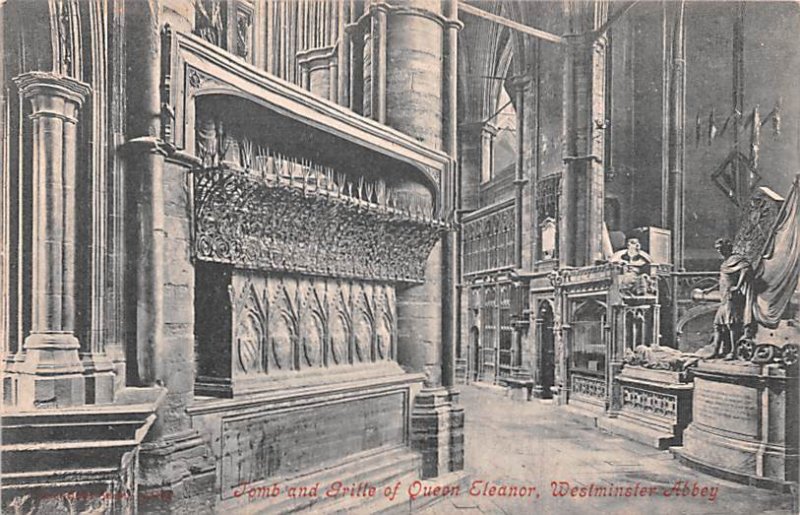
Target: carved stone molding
(649, 402)
(51, 85)
(488, 241)
(256, 331)
(591, 387)
(192, 67)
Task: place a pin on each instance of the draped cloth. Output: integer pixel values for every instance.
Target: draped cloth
(776, 275)
(732, 307)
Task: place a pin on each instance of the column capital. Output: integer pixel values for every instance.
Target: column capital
(454, 24)
(585, 39)
(450, 12)
(50, 84)
(518, 82)
(471, 128)
(489, 129)
(379, 6)
(413, 10)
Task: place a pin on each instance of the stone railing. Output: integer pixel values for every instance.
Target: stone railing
(586, 386)
(649, 402)
(589, 274)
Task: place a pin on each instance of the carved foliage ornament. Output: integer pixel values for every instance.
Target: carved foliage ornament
(297, 323)
(249, 307)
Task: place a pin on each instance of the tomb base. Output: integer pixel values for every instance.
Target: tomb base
(656, 407)
(744, 424)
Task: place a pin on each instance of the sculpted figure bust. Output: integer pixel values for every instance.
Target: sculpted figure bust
(636, 278)
(634, 258)
(209, 21)
(729, 321)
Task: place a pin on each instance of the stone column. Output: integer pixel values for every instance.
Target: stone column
(414, 81)
(451, 298)
(470, 165)
(518, 86)
(561, 340)
(420, 100)
(488, 133)
(615, 352)
(677, 140)
(537, 364)
(584, 182)
(50, 374)
(563, 379)
(378, 63)
(414, 106)
(343, 54)
(468, 200)
(356, 96)
(175, 458)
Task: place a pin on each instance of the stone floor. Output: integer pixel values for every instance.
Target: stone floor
(533, 444)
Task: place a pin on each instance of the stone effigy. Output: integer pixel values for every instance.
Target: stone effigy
(659, 357)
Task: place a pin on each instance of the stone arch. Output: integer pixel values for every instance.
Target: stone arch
(695, 327)
(505, 63)
(546, 351)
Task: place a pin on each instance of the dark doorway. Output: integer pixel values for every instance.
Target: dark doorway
(474, 347)
(548, 350)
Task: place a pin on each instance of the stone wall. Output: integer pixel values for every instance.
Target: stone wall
(266, 440)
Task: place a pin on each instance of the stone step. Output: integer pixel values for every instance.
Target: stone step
(25, 431)
(376, 468)
(54, 479)
(85, 450)
(379, 501)
(50, 456)
(638, 432)
(402, 503)
(124, 420)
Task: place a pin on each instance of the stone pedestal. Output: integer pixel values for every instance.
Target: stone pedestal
(437, 431)
(176, 474)
(588, 392)
(656, 407)
(744, 423)
(456, 433)
(88, 455)
(49, 372)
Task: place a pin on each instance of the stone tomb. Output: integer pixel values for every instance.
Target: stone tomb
(744, 423)
(656, 406)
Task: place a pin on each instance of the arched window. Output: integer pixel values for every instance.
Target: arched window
(504, 144)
